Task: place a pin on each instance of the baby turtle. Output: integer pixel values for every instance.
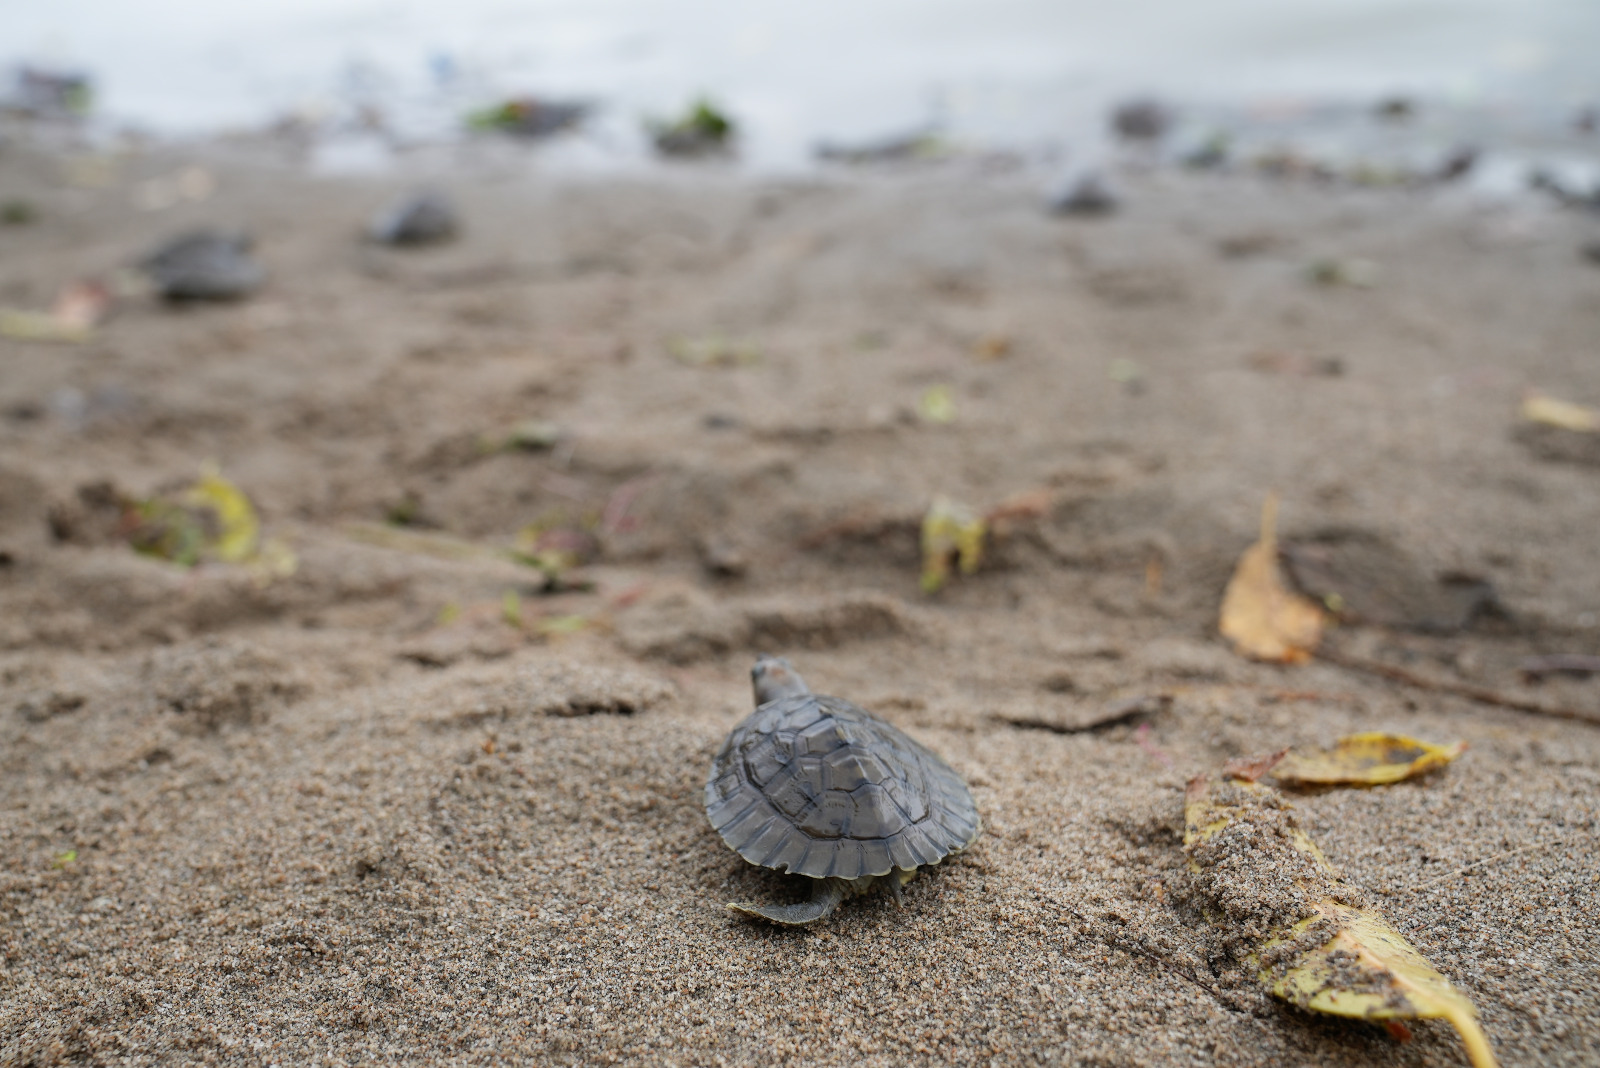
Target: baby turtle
(204, 265)
(424, 219)
(815, 786)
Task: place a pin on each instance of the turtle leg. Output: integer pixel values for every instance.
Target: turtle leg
(825, 897)
(898, 878)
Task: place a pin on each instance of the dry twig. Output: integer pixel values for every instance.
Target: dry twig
(1481, 694)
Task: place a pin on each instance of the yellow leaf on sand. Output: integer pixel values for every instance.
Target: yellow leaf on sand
(1322, 949)
(937, 405)
(1368, 971)
(713, 351)
(40, 326)
(239, 529)
(1537, 408)
(1368, 759)
(78, 309)
(950, 529)
(1263, 618)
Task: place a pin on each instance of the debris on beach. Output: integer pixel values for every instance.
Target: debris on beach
(1551, 411)
(1358, 576)
(1127, 374)
(1370, 758)
(204, 265)
(553, 553)
(1559, 430)
(1274, 361)
(991, 347)
(1261, 615)
(1457, 164)
(937, 405)
(530, 435)
(951, 533)
(1559, 187)
(422, 219)
(169, 190)
(1309, 937)
(1395, 108)
(921, 144)
(1354, 272)
(703, 130)
(1142, 119)
(1573, 665)
(208, 521)
(557, 548)
(18, 212)
(1209, 153)
(1249, 243)
(1086, 194)
(37, 93)
(713, 350)
(78, 309)
(530, 117)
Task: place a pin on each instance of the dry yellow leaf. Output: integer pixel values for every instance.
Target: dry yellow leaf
(1263, 618)
(950, 529)
(1369, 759)
(937, 404)
(238, 528)
(1537, 408)
(1320, 951)
(41, 326)
(210, 520)
(1368, 971)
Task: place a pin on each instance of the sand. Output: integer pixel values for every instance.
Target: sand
(357, 816)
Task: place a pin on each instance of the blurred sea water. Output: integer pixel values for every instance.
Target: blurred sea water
(1020, 75)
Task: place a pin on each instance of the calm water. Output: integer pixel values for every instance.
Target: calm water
(1011, 73)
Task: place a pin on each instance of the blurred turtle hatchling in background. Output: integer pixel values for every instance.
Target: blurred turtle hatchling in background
(204, 265)
(423, 219)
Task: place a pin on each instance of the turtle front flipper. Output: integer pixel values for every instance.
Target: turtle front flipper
(825, 897)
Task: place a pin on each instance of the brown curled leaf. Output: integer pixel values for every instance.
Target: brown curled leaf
(1261, 615)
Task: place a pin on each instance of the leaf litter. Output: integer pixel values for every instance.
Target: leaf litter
(1261, 615)
(1310, 938)
(211, 520)
(952, 533)
(78, 309)
(1267, 619)
(1565, 415)
(1371, 758)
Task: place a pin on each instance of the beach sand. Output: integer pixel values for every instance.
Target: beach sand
(375, 813)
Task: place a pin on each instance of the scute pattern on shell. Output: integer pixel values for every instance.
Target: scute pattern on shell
(816, 786)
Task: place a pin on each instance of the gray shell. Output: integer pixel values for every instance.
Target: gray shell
(816, 786)
(204, 265)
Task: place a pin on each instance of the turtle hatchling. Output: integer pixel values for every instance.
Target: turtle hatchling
(815, 786)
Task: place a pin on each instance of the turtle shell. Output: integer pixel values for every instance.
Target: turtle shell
(817, 786)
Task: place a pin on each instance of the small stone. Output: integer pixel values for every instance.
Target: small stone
(1087, 194)
(424, 219)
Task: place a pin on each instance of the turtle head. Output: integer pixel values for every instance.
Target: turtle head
(774, 677)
